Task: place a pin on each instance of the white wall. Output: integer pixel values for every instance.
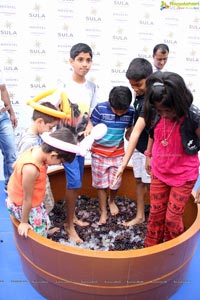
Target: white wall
(36, 36)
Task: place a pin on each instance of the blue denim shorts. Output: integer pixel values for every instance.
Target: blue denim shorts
(74, 172)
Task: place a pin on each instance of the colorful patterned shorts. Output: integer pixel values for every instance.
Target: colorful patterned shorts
(38, 217)
(104, 170)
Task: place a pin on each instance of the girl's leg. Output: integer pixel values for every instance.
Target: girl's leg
(174, 217)
(159, 195)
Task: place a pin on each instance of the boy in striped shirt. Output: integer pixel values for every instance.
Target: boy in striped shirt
(107, 153)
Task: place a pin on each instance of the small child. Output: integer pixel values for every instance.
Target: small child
(107, 153)
(173, 149)
(27, 184)
(41, 122)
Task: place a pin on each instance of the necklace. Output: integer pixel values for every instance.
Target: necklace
(164, 142)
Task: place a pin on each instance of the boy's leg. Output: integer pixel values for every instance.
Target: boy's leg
(81, 161)
(74, 173)
(70, 202)
(103, 173)
(48, 197)
(140, 196)
(114, 163)
(100, 182)
(114, 210)
(102, 196)
(141, 186)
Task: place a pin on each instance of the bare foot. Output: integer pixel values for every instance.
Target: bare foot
(134, 221)
(114, 210)
(53, 230)
(72, 234)
(80, 223)
(103, 218)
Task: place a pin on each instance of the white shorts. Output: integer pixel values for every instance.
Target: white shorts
(138, 161)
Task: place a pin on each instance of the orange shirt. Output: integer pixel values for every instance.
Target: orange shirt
(15, 190)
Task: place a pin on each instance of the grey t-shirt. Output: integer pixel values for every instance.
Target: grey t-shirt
(27, 140)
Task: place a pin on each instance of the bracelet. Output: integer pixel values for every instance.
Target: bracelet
(147, 153)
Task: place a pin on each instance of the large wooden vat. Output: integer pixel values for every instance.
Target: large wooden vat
(61, 272)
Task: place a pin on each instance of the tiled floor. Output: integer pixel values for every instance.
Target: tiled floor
(14, 284)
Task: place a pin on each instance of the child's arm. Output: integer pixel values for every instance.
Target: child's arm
(137, 130)
(128, 133)
(29, 175)
(88, 128)
(147, 153)
(198, 132)
(94, 115)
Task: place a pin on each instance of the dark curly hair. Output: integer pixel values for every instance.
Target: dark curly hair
(169, 90)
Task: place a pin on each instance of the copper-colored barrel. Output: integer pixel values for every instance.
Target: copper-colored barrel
(64, 272)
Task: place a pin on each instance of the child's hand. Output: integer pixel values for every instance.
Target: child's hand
(84, 133)
(197, 196)
(148, 165)
(118, 175)
(23, 229)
